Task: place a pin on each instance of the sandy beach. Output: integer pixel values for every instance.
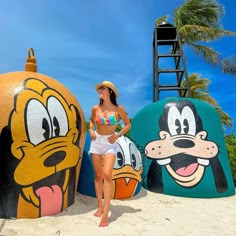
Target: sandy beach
(147, 213)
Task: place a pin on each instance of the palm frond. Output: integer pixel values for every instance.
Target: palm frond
(199, 90)
(229, 65)
(203, 13)
(209, 54)
(225, 118)
(194, 33)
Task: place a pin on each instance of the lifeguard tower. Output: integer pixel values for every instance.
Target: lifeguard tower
(169, 66)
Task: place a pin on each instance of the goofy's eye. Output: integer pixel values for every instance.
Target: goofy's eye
(189, 121)
(173, 120)
(186, 126)
(38, 124)
(181, 123)
(178, 126)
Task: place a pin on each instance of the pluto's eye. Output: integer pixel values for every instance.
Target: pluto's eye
(58, 116)
(38, 123)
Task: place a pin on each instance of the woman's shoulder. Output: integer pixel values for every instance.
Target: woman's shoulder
(95, 108)
(120, 108)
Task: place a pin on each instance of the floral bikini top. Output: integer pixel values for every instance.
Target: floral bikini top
(110, 120)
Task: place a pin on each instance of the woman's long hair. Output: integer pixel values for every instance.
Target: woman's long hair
(112, 98)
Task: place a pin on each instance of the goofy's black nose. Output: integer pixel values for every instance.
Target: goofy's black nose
(184, 143)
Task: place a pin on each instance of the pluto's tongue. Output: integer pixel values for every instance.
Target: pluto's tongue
(50, 200)
(186, 171)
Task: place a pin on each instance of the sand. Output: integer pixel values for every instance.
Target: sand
(147, 213)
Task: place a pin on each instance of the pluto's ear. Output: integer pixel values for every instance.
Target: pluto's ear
(219, 175)
(154, 179)
(8, 162)
(78, 120)
(5, 144)
(9, 190)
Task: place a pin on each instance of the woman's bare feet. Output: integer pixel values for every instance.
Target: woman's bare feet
(104, 221)
(98, 213)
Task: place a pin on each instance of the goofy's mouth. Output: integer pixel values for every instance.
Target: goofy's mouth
(183, 164)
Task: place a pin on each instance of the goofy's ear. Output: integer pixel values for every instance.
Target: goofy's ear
(219, 175)
(154, 179)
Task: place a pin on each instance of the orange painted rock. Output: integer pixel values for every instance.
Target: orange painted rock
(42, 135)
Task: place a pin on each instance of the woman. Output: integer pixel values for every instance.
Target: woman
(102, 126)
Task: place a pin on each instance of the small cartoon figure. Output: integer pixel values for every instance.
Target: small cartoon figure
(42, 135)
(45, 133)
(183, 148)
(127, 170)
(126, 173)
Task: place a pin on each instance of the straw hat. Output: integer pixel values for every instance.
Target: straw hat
(109, 85)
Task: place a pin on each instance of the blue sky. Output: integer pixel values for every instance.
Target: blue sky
(83, 42)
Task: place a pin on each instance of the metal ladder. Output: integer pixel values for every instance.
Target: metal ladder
(166, 36)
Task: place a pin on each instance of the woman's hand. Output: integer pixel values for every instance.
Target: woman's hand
(113, 138)
(92, 135)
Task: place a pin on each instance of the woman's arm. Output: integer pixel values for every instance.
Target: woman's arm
(92, 123)
(125, 119)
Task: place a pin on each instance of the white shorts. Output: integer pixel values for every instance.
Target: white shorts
(101, 145)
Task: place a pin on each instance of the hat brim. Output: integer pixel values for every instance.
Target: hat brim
(109, 85)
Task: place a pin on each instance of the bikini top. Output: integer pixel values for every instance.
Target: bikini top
(110, 120)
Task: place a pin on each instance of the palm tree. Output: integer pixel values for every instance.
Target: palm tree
(199, 90)
(225, 118)
(229, 65)
(199, 21)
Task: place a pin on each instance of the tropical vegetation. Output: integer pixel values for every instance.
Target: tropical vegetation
(198, 88)
(198, 22)
(230, 141)
(229, 65)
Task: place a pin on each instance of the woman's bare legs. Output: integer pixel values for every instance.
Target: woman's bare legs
(98, 169)
(108, 164)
